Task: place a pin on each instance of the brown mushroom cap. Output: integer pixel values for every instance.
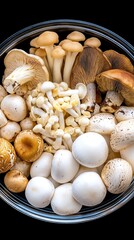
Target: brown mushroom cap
(28, 145)
(119, 61)
(117, 80)
(88, 64)
(47, 38)
(7, 155)
(36, 70)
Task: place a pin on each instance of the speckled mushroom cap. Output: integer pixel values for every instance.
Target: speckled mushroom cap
(7, 155)
(36, 71)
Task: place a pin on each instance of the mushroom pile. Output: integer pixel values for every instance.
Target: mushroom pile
(66, 122)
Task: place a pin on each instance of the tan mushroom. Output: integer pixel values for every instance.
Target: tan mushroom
(119, 61)
(88, 64)
(7, 155)
(117, 80)
(92, 42)
(28, 145)
(23, 71)
(76, 36)
(47, 40)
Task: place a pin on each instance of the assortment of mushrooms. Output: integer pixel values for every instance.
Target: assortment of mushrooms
(67, 122)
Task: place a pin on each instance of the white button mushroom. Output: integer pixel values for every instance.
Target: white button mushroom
(64, 166)
(128, 154)
(39, 192)
(10, 130)
(117, 175)
(88, 189)
(63, 202)
(14, 107)
(42, 166)
(90, 149)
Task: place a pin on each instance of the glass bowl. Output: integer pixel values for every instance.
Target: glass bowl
(109, 40)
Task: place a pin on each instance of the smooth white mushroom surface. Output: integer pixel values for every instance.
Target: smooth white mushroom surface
(90, 149)
(88, 189)
(39, 192)
(42, 166)
(63, 202)
(128, 154)
(117, 175)
(64, 166)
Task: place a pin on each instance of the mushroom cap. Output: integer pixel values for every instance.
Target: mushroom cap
(22, 166)
(123, 135)
(117, 175)
(58, 52)
(7, 155)
(15, 181)
(39, 191)
(92, 42)
(119, 61)
(63, 202)
(84, 149)
(72, 46)
(76, 36)
(88, 64)
(117, 80)
(88, 189)
(47, 38)
(18, 57)
(28, 145)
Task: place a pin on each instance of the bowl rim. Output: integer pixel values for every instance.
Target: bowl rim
(107, 34)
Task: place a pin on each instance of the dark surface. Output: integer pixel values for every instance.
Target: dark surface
(112, 18)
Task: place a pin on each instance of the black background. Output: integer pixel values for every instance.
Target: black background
(116, 18)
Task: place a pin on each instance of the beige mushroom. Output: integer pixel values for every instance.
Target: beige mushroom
(117, 175)
(10, 130)
(124, 113)
(76, 36)
(15, 181)
(92, 42)
(46, 40)
(7, 155)
(72, 49)
(27, 124)
(23, 71)
(3, 119)
(22, 166)
(3, 93)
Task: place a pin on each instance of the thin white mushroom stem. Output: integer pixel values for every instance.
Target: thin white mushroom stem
(68, 139)
(39, 129)
(61, 120)
(68, 108)
(90, 98)
(18, 77)
(58, 142)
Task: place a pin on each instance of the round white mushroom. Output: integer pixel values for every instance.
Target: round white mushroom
(117, 175)
(128, 154)
(39, 192)
(64, 166)
(14, 107)
(90, 149)
(10, 130)
(88, 189)
(42, 166)
(63, 202)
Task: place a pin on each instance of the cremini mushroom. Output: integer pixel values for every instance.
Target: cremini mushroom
(10, 130)
(64, 166)
(88, 189)
(119, 60)
(23, 71)
(47, 40)
(39, 191)
(72, 49)
(88, 64)
(7, 155)
(117, 80)
(84, 149)
(63, 202)
(28, 145)
(117, 175)
(15, 181)
(123, 135)
(14, 107)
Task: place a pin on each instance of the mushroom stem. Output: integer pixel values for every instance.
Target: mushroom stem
(90, 99)
(111, 102)
(18, 77)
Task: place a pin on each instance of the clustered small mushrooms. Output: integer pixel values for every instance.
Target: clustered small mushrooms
(66, 122)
